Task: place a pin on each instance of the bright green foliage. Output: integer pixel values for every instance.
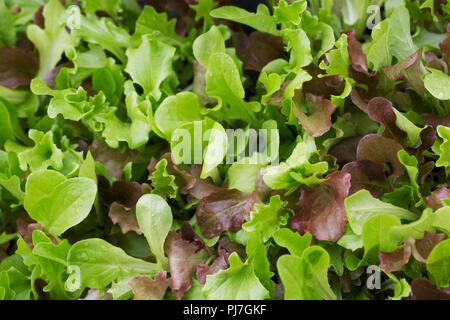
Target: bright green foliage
(338, 59)
(95, 263)
(410, 163)
(435, 82)
(267, 219)
(438, 264)
(156, 26)
(361, 206)
(53, 40)
(105, 33)
(162, 182)
(444, 155)
(150, 64)
(391, 39)
(155, 220)
(59, 203)
(305, 277)
(261, 20)
(216, 150)
(112, 7)
(292, 241)
(238, 282)
(177, 110)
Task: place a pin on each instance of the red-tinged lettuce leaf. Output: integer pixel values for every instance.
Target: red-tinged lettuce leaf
(202, 187)
(25, 227)
(408, 69)
(50, 77)
(220, 263)
(421, 248)
(356, 54)
(162, 182)
(318, 121)
(93, 294)
(3, 251)
(257, 49)
(27, 236)
(322, 86)
(225, 210)
(445, 48)
(434, 200)
(425, 170)
(414, 74)
(170, 6)
(369, 81)
(395, 260)
(125, 218)
(183, 179)
(435, 121)
(424, 289)
(199, 85)
(434, 62)
(345, 150)
(368, 175)
(335, 84)
(185, 251)
(430, 55)
(382, 150)
(121, 198)
(126, 193)
(359, 98)
(278, 97)
(428, 137)
(22, 223)
(291, 199)
(39, 18)
(397, 72)
(262, 190)
(145, 288)
(17, 67)
(179, 7)
(323, 212)
(230, 246)
(381, 110)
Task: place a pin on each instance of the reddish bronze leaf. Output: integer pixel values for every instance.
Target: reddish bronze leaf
(185, 251)
(224, 210)
(323, 212)
(318, 121)
(434, 200)
(396, 260)
(17, 67)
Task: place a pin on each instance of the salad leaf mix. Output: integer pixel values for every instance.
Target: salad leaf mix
(107, 191)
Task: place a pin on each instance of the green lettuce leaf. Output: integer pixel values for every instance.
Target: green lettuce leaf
(361, 206)
(53, 40)
(306, 277)
(58, 203)
(262, 20)
(95, 263)
(150, 64)
(155, 220)
(238, 282)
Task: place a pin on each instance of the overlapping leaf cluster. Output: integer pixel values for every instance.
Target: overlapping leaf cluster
(98, 201)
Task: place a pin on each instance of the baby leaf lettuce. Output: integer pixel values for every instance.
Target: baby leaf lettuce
(59, 206)
(123, 174)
